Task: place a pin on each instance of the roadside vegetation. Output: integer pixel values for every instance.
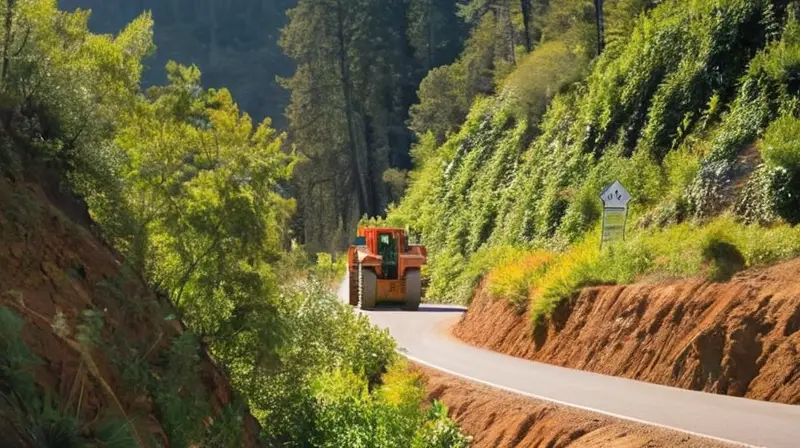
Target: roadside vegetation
(192, 194)
(692, 105)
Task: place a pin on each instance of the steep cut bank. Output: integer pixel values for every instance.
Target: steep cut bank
(500, 419)
(738, 338)
(108, 348)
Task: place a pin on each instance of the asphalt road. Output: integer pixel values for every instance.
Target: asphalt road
(423, 337)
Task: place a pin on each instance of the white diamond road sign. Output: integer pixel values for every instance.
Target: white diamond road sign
(615, 196)
(615, 212)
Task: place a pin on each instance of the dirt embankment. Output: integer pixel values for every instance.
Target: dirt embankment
(738, 338)
(500, 419)
(52, 272)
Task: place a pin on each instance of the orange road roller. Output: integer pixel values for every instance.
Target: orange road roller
(385, 268)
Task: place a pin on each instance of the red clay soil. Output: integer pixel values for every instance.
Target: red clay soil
(498, 419)
(51, 270)
(738, 338)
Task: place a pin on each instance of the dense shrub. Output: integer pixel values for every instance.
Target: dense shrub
(540, 76)
(723, 257)
(347, 414)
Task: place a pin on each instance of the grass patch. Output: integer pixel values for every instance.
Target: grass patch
(715, 251)
(512, 280)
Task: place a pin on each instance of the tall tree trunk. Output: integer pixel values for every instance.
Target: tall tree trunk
(347, 90)
(9, 23)
(504, 28)
(508, 30)
(526, 22)
(600, 19)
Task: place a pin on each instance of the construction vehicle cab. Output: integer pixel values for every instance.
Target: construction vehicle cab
(384, 267)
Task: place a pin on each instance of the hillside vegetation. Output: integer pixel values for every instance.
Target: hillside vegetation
(149, 295)
(694, 108)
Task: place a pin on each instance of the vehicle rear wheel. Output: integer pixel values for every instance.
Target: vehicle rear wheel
(353, 281)
(413, 290)
(368, 288)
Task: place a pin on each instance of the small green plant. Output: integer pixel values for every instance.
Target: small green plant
(16, 359)
(48, 426)
(89, 331)
(227, 428)
(115, 433)
(181, 399)
(439, 431)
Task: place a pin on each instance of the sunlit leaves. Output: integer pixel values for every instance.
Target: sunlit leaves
(205, 181)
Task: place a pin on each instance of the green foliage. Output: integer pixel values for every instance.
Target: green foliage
(511, 277)
(179, 395)
(781, 144)
(321, 335)
(16, 359)
(669, 124)
(439, 431)
(64, 89)
(200, 181)
(715, 251)
(349, 415)
(48, 426)
(540, 76)
(36, 417)
(328, 270)
(337, 382)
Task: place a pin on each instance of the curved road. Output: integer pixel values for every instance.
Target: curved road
(423, 337)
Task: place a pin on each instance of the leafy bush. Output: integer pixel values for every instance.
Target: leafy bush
(348, 414)
(780, 187)
(439, 431)
(724, 258)
(319, 334)
(540, 76)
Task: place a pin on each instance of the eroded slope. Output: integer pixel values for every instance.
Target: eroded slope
(739, 338)
(109, 348)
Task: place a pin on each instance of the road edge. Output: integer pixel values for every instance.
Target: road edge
(573, 406)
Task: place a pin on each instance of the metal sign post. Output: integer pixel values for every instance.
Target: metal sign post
(615, 212)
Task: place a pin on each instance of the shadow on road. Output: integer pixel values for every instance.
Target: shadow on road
(422, 309)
